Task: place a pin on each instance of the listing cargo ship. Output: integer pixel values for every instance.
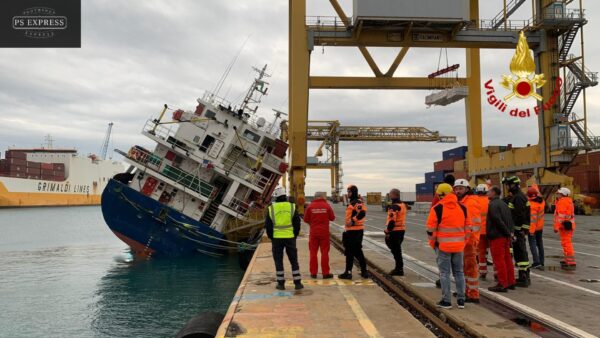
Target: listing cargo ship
(205, 185)
(53, 177)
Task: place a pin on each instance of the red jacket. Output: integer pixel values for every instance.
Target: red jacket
(317, 215)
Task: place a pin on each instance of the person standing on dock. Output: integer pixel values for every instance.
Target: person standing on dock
(564, 224)
(447, 179)
(283, 226)
(482, 248)
(318, 215)
(394, 230)
(499, 226)
(448, 230)
(520, 211)
(465, 195)
(536, 227)
(353, 234)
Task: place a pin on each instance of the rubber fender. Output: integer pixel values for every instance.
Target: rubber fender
(203, 325)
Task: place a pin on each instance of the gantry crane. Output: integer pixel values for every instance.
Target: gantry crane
(331, 132)
(550, 33)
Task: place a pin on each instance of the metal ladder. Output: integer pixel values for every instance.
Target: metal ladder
(576, 81)
(511, 7)
(567, 39)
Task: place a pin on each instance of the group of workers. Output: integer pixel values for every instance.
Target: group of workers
(462, 225)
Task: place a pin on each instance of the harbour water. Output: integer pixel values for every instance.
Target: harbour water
(64, 274)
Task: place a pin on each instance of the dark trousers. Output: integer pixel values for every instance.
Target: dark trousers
(352, 240)
(520, 253)
(289, 244)
(536, 246)
(394, 242)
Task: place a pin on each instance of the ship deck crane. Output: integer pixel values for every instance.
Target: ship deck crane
(331, 132)
(104, 149)
(550, 32)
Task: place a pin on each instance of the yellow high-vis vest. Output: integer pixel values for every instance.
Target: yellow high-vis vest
(281, 214)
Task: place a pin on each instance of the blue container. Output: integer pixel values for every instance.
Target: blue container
(435, 176)
(458, 153)
(424, 188)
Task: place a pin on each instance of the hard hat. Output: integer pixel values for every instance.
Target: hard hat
(564, 191)
(511, 180)
(461, 182)
(443, 189)
(279, 191)
(481, 188)
(533, 192)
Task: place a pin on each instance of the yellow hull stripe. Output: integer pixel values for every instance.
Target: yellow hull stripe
(39, 199)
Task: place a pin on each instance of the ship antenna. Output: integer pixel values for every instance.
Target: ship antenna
(228, 69)
(277, 114)
(258, 86)
(49, 141)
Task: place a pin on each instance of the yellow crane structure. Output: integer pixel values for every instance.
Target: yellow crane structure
(551, 32)
(331, 132)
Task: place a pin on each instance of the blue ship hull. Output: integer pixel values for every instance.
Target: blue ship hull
(153, 229)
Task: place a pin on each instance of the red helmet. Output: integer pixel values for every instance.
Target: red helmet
(532, 192)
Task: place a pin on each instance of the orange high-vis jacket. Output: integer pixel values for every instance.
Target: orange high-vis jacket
(352, 222)
(564, 211)
(448, 225)
(474, 214)
(398, 217)
(536, 215)
(484, 203)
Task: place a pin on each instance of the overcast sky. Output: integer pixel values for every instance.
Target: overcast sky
(138, 55)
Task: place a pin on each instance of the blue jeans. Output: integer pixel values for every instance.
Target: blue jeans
(536, 246)
(447, 261)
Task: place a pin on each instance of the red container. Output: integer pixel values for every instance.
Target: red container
(445, 165)
(17, 168)
(58, 166)
(59, 177)
(34, 177)
(47, 177)
(34, 164)
(47, 166)
(424, 197)
(33, 171)
(18, 175)
(17, 161)
(461, 174)
(47, 172)
(16, 154)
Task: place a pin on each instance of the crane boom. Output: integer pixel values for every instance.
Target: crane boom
(106, 141)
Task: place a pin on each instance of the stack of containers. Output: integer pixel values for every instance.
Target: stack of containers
(47, 172)
(58, 171)
(15, 164)
(453, 162)
(34, 170)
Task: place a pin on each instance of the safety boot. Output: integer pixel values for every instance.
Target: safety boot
(482, 276)
(364, 274)
(397, 272)
(345, 275)
(522, 281)
(298, 285)
(280, 286)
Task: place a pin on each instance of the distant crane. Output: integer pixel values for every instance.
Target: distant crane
(106, 140)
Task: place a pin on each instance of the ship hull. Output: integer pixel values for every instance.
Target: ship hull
(153, 229)
(12, 199)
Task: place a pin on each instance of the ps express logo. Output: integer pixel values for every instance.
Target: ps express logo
(39, 22)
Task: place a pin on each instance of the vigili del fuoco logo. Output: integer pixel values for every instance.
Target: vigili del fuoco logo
(523, 83)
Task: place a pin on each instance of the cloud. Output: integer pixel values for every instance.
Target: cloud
(138, 55)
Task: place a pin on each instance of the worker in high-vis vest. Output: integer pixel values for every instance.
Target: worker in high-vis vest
(536, 227)
(465, 196)
(283, 226)
(353, 233)
(564, 224)
(520, 211)
(395, 229)
(481, 193)
(448, 230)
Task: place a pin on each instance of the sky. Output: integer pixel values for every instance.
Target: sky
(137, 55)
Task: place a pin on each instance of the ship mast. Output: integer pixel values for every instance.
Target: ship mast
(49, 141)
(256, 91)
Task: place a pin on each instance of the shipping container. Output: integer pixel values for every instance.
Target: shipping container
(33, 171)
(444, 165)
(457, 153)
(460, 165)
(34, 164)
(461, 174)
(312, 160)
(58, 166)
(17, 168)
(47, 166)
(47, 172)
(16, 161)
(413, 10)
(424, 197)
(373, 198)
(33, 177)
(435, 176)
(16, 154)
(47, 177)
(424, 188)
(408, 196)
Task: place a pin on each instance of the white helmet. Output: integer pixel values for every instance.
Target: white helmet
(461, 182)
(564, 191)
(481, 188)
(279, 191)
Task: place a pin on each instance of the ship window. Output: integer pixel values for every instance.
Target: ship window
(210, 114)
(251, 136)
(196, 139)
(208, 140)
